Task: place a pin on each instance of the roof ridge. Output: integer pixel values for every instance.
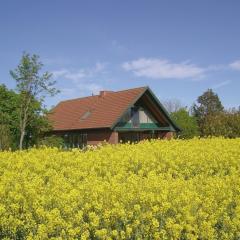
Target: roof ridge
(79, 98)
(130, 89)
(110, 92)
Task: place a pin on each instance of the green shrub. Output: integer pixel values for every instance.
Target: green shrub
(51, 141)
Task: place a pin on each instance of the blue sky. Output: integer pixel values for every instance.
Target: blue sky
(178, 48)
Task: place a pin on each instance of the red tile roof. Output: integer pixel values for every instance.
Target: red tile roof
(104, 110)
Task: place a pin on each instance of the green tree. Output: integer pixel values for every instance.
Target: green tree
(51, 141)
(208, 104)
(186, 122)
(8, 117)
(9, 120)
(38, 124)
(32, 86)
(5, 134)
(226, 124)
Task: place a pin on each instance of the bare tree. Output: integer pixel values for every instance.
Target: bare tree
(31, 85)
(172, 105)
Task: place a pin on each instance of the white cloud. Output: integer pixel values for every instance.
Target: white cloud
(235, 65)
(75, 75)
(79, 82)
(78, 75)
(93, 88)
(55, 61)
(161, 68)
(68, 74)
(59, 73)
(221, 84)
(80, 89)
(67, 91)
(217, 68)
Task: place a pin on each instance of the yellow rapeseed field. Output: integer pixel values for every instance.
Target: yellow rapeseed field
(178, 189)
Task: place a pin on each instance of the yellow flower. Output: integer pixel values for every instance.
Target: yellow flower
(178, 189)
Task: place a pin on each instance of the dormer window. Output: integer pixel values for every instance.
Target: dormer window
(85, 115)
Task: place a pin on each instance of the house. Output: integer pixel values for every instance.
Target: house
(128, 115)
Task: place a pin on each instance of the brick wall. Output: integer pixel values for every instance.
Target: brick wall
(168, 135)
(98, 136)
(114, 138)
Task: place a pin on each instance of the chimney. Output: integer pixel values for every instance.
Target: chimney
(104, 93)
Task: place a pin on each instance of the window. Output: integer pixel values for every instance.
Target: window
(129, 137)
(127, 117)
(75, 140)
(146, 117)
(143, 116)
(135, 117)
(85, 115)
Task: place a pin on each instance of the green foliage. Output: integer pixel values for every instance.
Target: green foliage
(51, 141)
(38, 124)
(207, 104)
(10, 117)
(32, 86)
(5, 137)
(29, 80)
(225, 124)
(186, 122)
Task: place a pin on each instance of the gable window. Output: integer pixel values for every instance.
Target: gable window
(146, 117)
(135, 117)
(127, 117)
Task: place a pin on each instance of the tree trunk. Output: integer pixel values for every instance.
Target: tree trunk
(23, 122)
(22, 129)
(21, 140)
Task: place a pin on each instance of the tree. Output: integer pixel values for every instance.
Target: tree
(9, 120)
(52, 141)
(186, 122)
(38, 124)
(5, 135)
(172, 105)
(32, 86)
(8, 117)
(207, 104)
(226, 124)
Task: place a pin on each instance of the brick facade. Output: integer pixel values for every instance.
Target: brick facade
(98, 136)
(165, 135)
(113, 137)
